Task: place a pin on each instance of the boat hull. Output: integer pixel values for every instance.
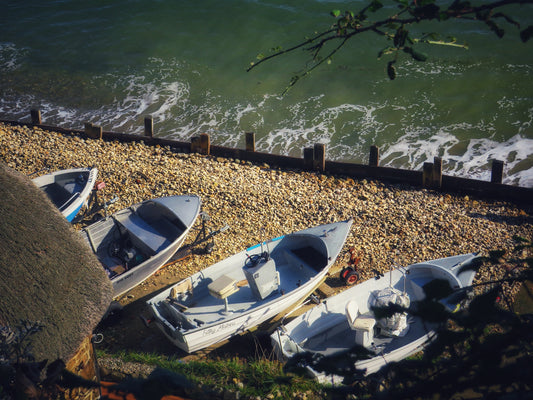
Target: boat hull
(153, 243)
(207, 320)
(325, 330)
(68, 189)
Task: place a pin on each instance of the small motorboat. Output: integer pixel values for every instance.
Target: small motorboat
(345, 320)
(68, 189)
(248, 288)
(134, 243)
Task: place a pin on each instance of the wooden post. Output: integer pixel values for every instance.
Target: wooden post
(205, 143)
(195, 144)
(427, 174)
(319, 157)
(35, 117)
(308, 157)
(149, 126)
(97, 132)
(250, 141)
(373, 160)
(437, 173)
(201, 144)
(89, 129)
(497, 171)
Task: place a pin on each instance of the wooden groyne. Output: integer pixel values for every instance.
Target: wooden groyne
(314, 159)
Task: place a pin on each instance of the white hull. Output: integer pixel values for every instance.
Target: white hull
(198, 319)
(325, 330)
(68, 189)
(135, 242)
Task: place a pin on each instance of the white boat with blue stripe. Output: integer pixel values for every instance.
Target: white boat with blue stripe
(248, 288)
(68, 189)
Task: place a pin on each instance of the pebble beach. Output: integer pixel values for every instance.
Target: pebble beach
(393, 224)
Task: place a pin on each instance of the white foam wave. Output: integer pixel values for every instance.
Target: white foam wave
(471, 157)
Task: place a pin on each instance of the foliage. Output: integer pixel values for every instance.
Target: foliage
(485, 348)
(21, 377)
(394, 22)
(213, 377)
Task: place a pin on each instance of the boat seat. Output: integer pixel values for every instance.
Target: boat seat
(144, 232)
(223, 287)
(362, 324)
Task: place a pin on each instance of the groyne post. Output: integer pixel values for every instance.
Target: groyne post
(93, 131)
(319, 157)
(373, 159)
(497, 171)
(432, 174)
(35, 117)
(149, 126)
(437, 173)
(427, 174)
(250, 141)
(308, 158)
(201, 144)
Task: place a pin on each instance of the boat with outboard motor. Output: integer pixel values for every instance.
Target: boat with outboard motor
(345, 320)
(132, 244)
(248, 288)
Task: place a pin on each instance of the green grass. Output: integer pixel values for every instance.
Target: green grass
(259, 377)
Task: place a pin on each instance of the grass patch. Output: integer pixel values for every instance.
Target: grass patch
(251, 378)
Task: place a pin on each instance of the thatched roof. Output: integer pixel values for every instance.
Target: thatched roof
(47, 274)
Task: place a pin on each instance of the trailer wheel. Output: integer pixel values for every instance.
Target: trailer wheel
(344, 272)
(351, 277)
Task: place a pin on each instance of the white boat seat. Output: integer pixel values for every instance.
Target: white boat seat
(144, 232)
(362, 324)
(223, 287)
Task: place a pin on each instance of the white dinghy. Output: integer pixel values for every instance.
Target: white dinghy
(247, 288)
(134, 243)
(345, 320)
(68, 189)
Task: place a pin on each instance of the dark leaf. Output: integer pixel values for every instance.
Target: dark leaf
(495, 255)
(460, 5)
(495, 28)
(32, 370)
(70, 380)
(520, 238)
(375, 5)
(429, 11)
(404, 3)
(389, 311)
(526, 34)
(444, 339)
(391, 71)
(416, 55)
(54, 370)
(431, 311)
(473, 265)
(400, 37)
(507, 18)
(437, 289)
(483, 306)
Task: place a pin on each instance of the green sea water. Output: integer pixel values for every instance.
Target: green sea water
(184, 63)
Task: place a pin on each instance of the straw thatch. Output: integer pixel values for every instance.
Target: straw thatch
(47, 274)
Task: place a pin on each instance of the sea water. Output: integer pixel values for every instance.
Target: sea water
(184, 63)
